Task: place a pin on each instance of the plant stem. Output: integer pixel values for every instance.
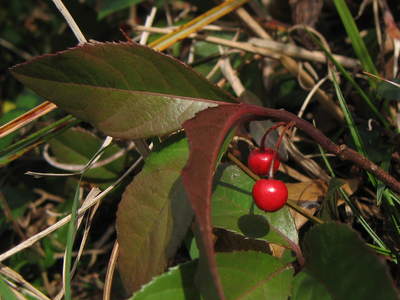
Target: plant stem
(262, 143)
(250, 112)
(278, 144)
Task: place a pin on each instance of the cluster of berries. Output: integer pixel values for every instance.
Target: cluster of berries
(269, 194)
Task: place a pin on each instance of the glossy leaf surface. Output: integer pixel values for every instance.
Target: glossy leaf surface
(126, 90)
(175, 284)
(244, 275)
(232, 208)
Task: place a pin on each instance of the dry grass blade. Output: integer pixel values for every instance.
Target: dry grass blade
(85, 206)
(70, 20)
(92, 194)
(263, 47)
(299, 52)
(292, 66)
(26, 118)
(197, 24)
(22, 282)
(110, 271)
(68, 167)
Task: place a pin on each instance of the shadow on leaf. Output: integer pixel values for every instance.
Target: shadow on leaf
(253, 226)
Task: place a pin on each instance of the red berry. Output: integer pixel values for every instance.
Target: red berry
(269, 194)
(260, 161)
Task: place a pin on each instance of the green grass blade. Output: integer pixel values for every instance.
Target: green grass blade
(5, 290)
(350, 122)
(356, 40)
(392, 211)
(385, 166)
(394, 197)
(71, 231)
(70, 243)
(382, 251)
(351, 80)
(18, 149)
(358, 215)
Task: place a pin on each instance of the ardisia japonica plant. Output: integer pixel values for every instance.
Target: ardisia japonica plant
(239, 231)
(119, 100)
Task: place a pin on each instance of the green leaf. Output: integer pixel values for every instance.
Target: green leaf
(175, 284)
(206, 133)
(307, 287)
(254, 275)
(341, 261)
(77, 146)
(154, 215)
(388, 90)
(126, 90)
(244, 275)
(190, 243)
(232, 208)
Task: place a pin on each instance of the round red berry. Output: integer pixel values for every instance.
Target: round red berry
(260, 161)
(269, 194)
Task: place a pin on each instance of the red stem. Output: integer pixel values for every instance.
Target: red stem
(278, 144)
(262, 144)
